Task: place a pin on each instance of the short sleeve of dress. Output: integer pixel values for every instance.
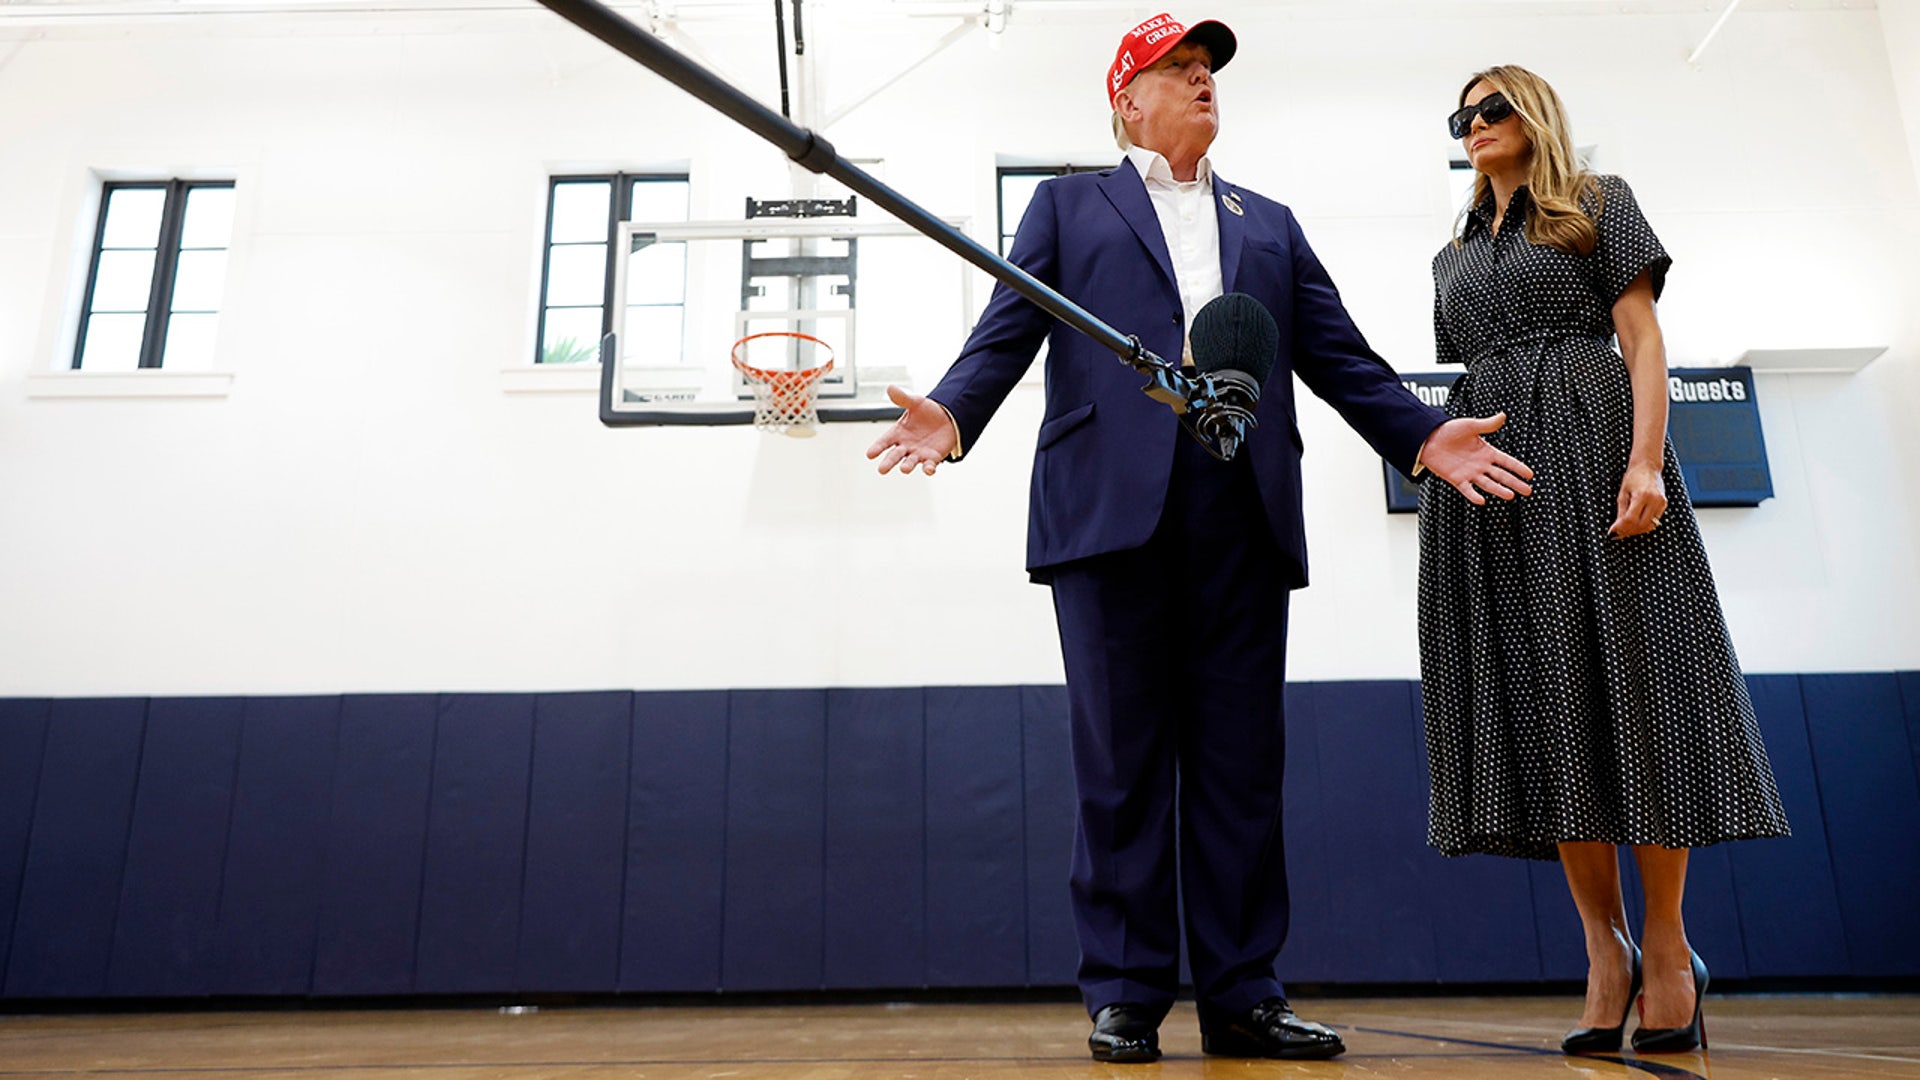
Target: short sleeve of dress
(1626, 244)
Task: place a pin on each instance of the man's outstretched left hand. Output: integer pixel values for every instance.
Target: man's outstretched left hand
(1458, 453)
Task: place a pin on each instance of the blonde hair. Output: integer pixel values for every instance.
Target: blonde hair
(1556, 179)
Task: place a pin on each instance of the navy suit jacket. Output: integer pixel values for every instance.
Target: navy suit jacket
(1105, 451)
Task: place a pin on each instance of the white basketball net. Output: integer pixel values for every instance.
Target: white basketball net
(783, 401)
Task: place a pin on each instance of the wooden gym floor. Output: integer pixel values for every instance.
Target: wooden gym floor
(1775, 1038)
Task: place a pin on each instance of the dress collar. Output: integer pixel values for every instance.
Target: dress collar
(1481, 216)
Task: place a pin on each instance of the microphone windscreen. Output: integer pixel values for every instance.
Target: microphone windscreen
(1235, 331)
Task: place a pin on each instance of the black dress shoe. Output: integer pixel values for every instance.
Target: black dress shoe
(1125, 1034)
(1268, 1030)
(1681, 1039)
(1605, 1040)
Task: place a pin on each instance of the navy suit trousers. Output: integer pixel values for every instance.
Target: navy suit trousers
(1176, 662)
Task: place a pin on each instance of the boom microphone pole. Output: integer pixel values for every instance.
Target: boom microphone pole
(1166, 383)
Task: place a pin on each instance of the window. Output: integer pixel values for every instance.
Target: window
(159, 267)
(576, 282)
(1017, 184)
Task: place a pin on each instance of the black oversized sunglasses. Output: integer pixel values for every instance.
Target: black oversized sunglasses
(1493, 108)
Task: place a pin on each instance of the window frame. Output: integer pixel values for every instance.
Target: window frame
(166, 265)
(1000, 175)
(619, 209)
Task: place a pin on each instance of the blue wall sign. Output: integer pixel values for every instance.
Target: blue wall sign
(1713, 419)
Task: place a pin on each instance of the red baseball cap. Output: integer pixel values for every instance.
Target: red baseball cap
(1155, 38)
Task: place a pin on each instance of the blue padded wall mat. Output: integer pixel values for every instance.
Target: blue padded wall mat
(776, 833)
(875, 904)
(376, 845)
(70, 887)
(1871, 799)
(476, 845)
(276, 848)
(1053, 950)
(976, 838)
(676, 842)
(166, 938)
(1373, 828)
(1309, 955)
(23, 742)
(1909, 682)
(1789, 931)
(570, 912)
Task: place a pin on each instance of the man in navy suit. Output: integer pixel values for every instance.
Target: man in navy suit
(1171, 570)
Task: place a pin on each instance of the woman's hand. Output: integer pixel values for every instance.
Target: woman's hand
(1643, 498)
(1643, 494)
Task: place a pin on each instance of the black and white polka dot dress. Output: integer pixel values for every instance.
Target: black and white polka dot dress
(1576, 687)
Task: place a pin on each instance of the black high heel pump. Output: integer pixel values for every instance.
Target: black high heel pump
(1681, 1039)
(1595, 1040)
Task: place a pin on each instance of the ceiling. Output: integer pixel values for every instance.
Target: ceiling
(59, 12)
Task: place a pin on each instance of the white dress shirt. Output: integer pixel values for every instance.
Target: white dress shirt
(1191, 226)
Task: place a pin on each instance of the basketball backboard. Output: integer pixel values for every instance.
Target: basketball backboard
(878, 295)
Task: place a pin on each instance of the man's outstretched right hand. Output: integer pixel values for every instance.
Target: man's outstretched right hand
(921, 439)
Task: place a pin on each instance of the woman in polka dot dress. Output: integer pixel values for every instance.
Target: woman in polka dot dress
(1581, 692)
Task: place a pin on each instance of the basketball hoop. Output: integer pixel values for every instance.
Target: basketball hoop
(783, 399)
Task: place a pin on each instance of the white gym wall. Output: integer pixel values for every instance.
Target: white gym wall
(374, 501)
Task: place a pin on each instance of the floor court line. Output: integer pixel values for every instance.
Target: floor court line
(1655, 1068)
(1816, 1051)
